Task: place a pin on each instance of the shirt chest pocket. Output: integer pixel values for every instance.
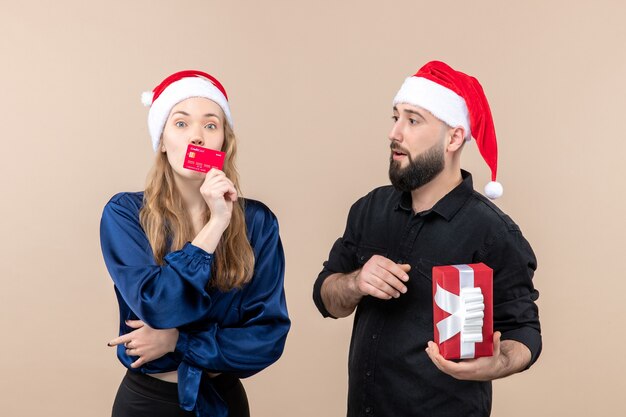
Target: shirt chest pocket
(425, 268)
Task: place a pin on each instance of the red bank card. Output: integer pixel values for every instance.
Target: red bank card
(202, 159)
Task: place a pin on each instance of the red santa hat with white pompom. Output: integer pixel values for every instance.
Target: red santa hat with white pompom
(176, 88)
(458, 100)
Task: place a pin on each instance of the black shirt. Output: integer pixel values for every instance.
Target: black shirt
(390, 373)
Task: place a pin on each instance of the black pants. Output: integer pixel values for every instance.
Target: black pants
(141, 395)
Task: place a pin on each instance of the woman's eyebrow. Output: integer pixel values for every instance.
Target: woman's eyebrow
(184, 113)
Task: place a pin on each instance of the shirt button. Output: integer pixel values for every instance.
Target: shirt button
(368, 373)
(374, 336)
(400, 261)
(368, 410)
(362, 258)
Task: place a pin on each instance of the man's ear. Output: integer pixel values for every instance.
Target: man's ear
(457, 139)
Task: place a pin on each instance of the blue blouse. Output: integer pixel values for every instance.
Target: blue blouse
(239, 332)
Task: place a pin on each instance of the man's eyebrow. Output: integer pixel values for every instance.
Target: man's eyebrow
(410, 111)
(414, 112)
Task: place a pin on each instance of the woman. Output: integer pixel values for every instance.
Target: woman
(198, 271)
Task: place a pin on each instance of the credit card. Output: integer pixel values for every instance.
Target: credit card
(203, 159)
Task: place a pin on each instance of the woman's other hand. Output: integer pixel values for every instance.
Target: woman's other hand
(146, 343)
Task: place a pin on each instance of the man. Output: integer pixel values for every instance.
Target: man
(382, 266)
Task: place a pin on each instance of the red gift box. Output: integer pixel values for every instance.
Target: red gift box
(463, 310)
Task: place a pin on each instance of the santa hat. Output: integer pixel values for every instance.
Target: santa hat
(458, 100)
(176, 88)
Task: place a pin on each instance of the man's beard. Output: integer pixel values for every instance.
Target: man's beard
(420, 170)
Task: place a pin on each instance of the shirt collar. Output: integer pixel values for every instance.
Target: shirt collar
(449, 205)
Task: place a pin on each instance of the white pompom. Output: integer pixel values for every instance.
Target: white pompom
(493, 190)
(146, 98)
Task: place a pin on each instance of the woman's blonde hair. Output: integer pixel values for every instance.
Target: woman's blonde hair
(166, 222)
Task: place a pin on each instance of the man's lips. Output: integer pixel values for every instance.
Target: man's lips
(397, 153)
